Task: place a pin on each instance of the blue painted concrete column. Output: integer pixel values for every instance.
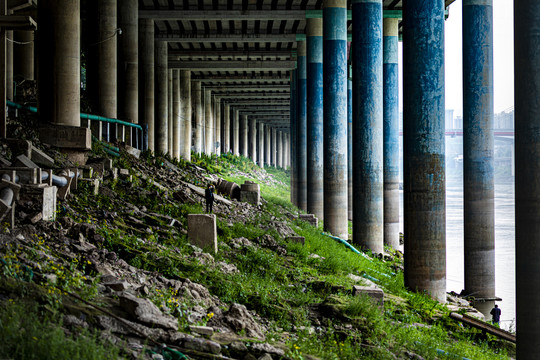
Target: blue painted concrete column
(315, 183)
(301, 126)
(335, 116)
(294, 162)
(367, 55)
(478, 177)
(349, 146)
(423, 143)
(391, 132)
(527, 120)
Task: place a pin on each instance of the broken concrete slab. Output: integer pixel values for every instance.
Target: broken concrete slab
(374, 293)
(201, 330)
(132, 151)
(297, 239)
(202, 231)
(40, 158)
(24, 161)
(250, 193)
(310, 219)
(146, 312)
(4, 163)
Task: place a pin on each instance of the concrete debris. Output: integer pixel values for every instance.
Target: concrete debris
(145, 311)
(240, 319)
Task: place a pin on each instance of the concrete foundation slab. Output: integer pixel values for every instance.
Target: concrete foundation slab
(202, 231)
(374, 293)
(66, 137)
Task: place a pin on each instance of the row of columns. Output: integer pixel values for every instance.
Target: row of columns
(352, 168)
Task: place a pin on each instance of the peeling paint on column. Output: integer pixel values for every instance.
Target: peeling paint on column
(423, 141)
(335, 116)
(367, 55)
(391, 132)
(478, 180)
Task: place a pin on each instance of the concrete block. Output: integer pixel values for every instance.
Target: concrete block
(310, 219)
(19, 147)
(4, 163)
(297, 239)
(40, 158)
(49, 203)
(93, 183)
(132, 151)
(24, 161)
(374, 293)
(202, 231)
(250, 193)
(107, 164)
(68, 137)
(124, 173)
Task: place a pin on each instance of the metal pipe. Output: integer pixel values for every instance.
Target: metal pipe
(6, 195)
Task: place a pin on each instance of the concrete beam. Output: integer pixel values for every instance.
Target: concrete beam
(240, 78)
(230, 53)
(256, 96)
(265, 113)
(233, 65)
(248, 88)
(256, 102)
(227, 38)
(262, 108)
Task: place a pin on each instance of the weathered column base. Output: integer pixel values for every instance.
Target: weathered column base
(73, 141)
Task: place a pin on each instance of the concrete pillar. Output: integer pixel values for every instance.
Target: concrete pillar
(478, 180)
(279, 155)
(185, 116)
(59, 85)
(267, 146)
(261, 146)
(293, 114)
(527, 162)
(128, 65)
(23, 55)
(236, 132)
(9, 66)
(217, 138)
(244, 129)
(208, 122)
(314, 152)
(274, 147)
(196, 100)
(287, 147)
(253, 140)
(177, 111)
(391, 133)
(367, 54)
(423, 143)
(170, 112)
(162, 107)
(335, 116)
(146, 78)
(107, 104)
(301, 127)
(349, 148)
(226, 128)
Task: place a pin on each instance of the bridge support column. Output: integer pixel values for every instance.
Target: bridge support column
(217, 133)
(244, 131)
(107, 61)
(267, 144)
(197, 107)
(162, 108)
(391, 133)
(128, 60)
(236, 132)
(170, 112)
(478, 181)
(367, 53)
(208, 122)
(23, 55)
(253, 140)
(315, 184)
(527, 140)
(301, 127)
(146, 77)
(177, 111)
(274, 147)
(294, 144)
(9, 65)
(335, 116)
(261, 144)
(349, 146)
(226, 128)
(280, 149)
(423, 143)
(185, 116)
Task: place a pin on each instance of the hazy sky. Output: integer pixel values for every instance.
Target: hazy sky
(503, 53)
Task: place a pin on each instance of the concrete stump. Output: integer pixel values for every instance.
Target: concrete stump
(310, 219)
(374, 293)
(250, 193)
(297, 239)
(202, 231)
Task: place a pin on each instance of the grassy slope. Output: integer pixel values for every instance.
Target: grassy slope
(288, 291)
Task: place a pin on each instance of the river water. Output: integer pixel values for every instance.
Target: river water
(504, 244)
